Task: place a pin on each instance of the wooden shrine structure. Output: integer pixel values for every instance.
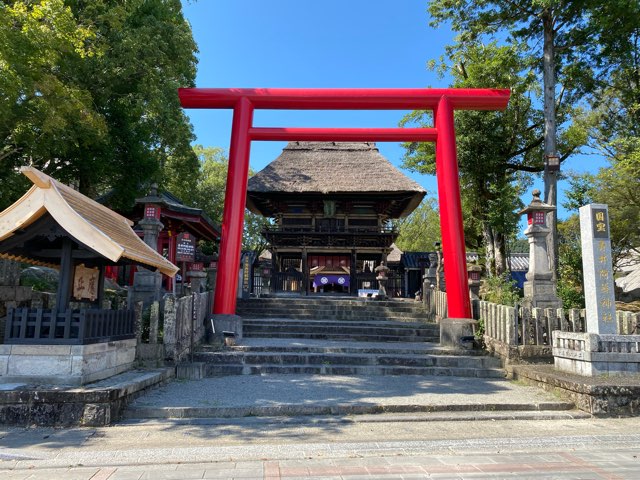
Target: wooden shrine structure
(176, 218)
(56, 226)
(331, 203)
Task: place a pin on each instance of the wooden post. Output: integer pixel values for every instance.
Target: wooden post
(100, 297)
(66, 276)
(305, 271)
(353, 281)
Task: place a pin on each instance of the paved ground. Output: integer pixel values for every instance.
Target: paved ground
(273, 390)
(447, 444)
(317, 448)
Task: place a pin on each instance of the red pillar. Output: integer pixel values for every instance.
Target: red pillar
(455, 259)
(233, 214)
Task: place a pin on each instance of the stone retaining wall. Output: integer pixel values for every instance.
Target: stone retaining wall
(65, 364)
(94, 405)
(599, 396)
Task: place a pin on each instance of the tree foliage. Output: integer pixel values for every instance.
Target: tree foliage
(570, 282)
(421, 229)
(90, 92)
(206, 190)
(496, 150)
(617, 187)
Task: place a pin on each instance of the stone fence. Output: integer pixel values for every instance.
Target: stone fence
(170, 333)
(524, 334)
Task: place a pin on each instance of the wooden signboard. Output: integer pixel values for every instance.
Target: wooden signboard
(185, 247)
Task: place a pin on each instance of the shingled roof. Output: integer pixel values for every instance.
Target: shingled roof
(334, 168)
(88, 222)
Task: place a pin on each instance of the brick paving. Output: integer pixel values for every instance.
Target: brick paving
(609, 457)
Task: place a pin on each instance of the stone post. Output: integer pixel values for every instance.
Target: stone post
(431, 273)
(540, 288)
(198, 280)
(9, 273)
(211, 276)
(147, 284)
(597, 269)
(169, 327)
(381, 271)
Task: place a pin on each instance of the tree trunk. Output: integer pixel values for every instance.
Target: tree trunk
(500, 252)
(487, 235)
(550, 178)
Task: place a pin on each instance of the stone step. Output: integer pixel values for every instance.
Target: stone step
(341, 305)
(336, 336)
(342, 414)
(340, 300)
(321, 315)
(342, 329)
(332, 308)
(213, 370)
(387, 349)
(335, 318)
(335, 309)
(337, 398)
(366, 359)
(346, 323)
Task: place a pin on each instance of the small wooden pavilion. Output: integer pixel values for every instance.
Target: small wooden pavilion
(54, 225)
(331, 203)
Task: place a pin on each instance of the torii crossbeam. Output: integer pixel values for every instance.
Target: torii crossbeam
(442, 102)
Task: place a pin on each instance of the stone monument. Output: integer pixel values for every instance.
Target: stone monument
(540, 287)
(598, 351)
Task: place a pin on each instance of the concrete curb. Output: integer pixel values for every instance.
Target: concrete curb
(499, 409)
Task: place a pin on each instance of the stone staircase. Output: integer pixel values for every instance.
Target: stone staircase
(312, 357)
(343, 359)
(332, 308)
(341, 336)
(347, 330)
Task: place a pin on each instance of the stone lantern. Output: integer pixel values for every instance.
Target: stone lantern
(147, 285)
(150, 223)
(540, 288)
(474, 271)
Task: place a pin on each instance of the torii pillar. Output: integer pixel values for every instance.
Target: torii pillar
(442, 102)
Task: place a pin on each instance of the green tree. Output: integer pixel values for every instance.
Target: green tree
(570, 281)
(95, 100)
(42, 112)
(555, 35)
(421, 229)
(206, 190)
(496, 150)
(617, 187)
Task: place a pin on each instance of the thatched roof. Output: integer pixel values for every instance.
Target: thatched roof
(334, 168)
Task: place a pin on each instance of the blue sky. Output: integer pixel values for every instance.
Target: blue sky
(321, 44)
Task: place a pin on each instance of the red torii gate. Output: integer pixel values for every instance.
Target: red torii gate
(442, 102)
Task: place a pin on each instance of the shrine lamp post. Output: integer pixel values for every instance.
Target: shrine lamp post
(540, 287)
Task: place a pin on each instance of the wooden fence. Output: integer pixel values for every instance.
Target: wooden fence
(38, 326)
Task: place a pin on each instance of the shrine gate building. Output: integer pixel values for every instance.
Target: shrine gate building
(331, 203)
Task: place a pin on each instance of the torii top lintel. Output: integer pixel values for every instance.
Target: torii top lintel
(346, 98)
(443, 102)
